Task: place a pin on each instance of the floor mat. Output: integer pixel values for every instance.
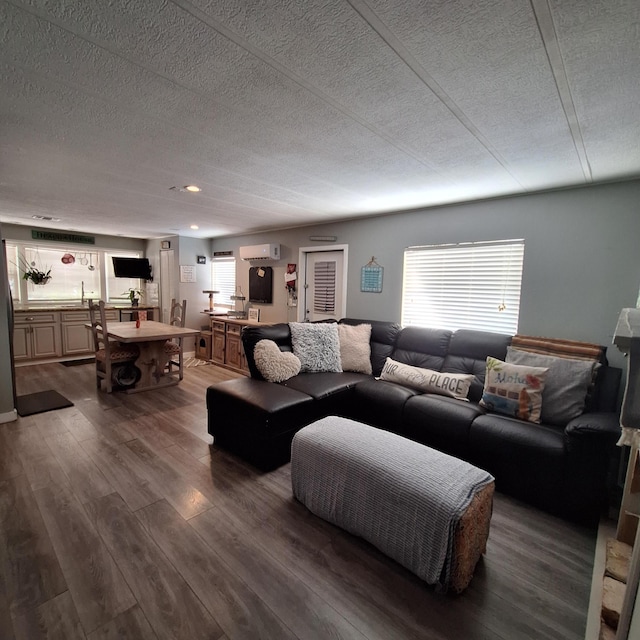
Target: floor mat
(41, 402)
(74, 363)
(195, 362)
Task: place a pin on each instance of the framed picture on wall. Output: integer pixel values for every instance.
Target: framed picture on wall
(254, 314)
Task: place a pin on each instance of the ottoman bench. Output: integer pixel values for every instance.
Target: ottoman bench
(425, 509)
(256, 420)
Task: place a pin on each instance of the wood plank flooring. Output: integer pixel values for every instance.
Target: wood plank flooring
(119, 519)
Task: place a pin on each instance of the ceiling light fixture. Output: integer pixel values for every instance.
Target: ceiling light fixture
(188, 188)
(194, 226)
(47, 218)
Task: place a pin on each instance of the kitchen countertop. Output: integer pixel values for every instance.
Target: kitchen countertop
(78, 307)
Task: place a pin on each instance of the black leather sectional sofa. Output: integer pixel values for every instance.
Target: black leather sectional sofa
(562, 469)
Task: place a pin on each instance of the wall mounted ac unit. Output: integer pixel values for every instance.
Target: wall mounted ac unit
(260, 252)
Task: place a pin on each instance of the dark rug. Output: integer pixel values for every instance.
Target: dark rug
(41, 402)
(74, 363)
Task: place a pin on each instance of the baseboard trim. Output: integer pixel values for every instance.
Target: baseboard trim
(8, 416)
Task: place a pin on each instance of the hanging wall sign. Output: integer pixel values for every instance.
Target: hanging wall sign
(371, 277)
(37, 234)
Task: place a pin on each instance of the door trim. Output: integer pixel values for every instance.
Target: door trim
(302, 273)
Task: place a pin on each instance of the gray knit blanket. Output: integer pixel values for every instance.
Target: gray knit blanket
(402, 497)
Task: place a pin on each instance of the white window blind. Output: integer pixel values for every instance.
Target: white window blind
(223, 278)
(324, 283)
(465, 286)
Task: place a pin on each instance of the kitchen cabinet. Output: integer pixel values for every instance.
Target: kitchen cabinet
(36, 335)
(45, 334)
(76, 338)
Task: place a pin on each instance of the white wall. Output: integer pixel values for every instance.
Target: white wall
(582, 263)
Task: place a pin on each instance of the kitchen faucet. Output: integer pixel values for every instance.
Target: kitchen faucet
(83, 292)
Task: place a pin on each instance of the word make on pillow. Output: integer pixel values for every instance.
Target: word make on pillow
(566, 386)
(513, 389)
(355, 347)
(273, 364)
(317, 345)
(454, 385)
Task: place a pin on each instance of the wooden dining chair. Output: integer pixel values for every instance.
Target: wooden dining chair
(107, 352)
(173, 348)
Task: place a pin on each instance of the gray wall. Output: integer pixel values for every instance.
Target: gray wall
(582, 263)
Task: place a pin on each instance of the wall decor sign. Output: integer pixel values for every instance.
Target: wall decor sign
(371, 277)
(187, 273)
(201, 259)
(36, 234)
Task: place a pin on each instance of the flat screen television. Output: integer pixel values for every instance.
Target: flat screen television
(132, 268)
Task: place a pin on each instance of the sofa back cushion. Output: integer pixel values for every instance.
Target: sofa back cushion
(383, 340)
(468, 351)
(422, 347)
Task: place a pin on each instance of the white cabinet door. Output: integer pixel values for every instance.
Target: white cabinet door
(21, 342)
(76, 338)
(45, 341)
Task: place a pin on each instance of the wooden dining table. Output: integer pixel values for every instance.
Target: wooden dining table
(150, 337)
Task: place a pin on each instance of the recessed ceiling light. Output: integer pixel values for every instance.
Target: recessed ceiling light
(190, 188)
(194, 226)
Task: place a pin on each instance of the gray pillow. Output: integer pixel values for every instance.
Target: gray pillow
(567, 383)
(317, 346)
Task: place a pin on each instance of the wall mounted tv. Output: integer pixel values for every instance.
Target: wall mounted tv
(132, 268)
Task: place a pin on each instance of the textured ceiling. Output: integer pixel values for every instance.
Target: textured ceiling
(295, 112)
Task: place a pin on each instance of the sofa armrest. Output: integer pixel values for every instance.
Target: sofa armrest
(590, 445)
(251, 335)
(604, 425)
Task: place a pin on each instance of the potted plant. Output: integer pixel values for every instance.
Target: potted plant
(134, 296)
(34, 274)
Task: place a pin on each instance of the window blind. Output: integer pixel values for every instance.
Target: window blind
(223, 278)
(465, 286)
(324, 287)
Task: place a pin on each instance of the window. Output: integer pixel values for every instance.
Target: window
(464, 286)
(324, 291)
(118, 288)
(223, 279)
(76, 274)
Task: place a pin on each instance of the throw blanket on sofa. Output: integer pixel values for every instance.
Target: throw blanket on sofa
(402, 497)
(561, 348)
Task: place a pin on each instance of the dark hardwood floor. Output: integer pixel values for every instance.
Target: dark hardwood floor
(118, 519)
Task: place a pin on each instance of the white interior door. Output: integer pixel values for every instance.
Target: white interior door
(324, 293)
(167, 284)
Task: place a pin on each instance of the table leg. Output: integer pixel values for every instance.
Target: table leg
(151, 362)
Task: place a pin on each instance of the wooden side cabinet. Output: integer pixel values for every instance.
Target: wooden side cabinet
(227, 349)
(234, 353)
(218, 329)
